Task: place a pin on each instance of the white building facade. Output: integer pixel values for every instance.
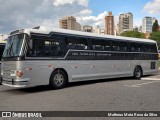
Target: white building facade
(125, 22)
(147, 24)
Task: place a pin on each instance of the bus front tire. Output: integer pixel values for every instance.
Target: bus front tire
(58, 80)
(137, 72)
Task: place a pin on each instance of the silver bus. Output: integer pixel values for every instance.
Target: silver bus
(40, 56)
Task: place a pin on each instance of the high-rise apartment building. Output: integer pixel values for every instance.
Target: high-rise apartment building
(69, 23)
(109, 24)
(125, 22)
(147, 24)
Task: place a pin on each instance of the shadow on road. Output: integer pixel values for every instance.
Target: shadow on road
(44, 88)
(35, 89)
(74, 84)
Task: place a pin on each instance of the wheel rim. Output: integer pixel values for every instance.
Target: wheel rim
(138, 73)
(58, 79)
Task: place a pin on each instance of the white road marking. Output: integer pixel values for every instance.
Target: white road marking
(150, 79)
(131, 86)
(139, 85)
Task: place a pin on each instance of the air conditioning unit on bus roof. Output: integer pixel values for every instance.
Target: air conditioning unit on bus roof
(40, 28)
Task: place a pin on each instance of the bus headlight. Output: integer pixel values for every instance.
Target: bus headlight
(19, 73)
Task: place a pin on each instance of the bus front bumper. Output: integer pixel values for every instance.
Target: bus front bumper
(15, 82)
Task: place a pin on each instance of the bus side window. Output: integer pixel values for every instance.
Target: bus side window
(96, 44)
(49, 47)
(83, 45)
(71, 42)
(77, 43)
(37, 48)
(52, 48)
(106, 45)
(150, 48)
(123, 47)
(131, 47)
(115, 46)
(138, 47)
(153, 48)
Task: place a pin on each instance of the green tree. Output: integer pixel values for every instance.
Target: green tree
(156, 36)
(134, 34)
(155, 26)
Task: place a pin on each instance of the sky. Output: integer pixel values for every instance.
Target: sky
(17, 14)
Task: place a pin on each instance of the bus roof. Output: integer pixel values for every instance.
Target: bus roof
(44, 30)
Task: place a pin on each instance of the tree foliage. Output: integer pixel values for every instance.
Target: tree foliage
(155, 26)
(156, 36)
(134, 34)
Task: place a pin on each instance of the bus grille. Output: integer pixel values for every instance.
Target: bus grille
(7, 69)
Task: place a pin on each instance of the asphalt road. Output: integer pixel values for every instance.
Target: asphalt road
(123, 94)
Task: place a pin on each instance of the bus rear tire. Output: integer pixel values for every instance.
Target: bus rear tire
(58, 79)
(138, 72)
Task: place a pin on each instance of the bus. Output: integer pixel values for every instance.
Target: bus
(2, 45)
(56, 57)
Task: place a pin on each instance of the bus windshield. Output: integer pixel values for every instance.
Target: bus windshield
(14, 46)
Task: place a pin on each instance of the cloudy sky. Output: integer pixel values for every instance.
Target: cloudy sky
(16, 14)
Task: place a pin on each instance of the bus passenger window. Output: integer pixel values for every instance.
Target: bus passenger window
(45, 48)
(97, 44)
(106, 45)
(52, 48)
(115, 46)
(77, 43)
(122, 46)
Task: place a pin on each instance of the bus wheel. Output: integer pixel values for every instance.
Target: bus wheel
(137, 72)
(58, 80)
